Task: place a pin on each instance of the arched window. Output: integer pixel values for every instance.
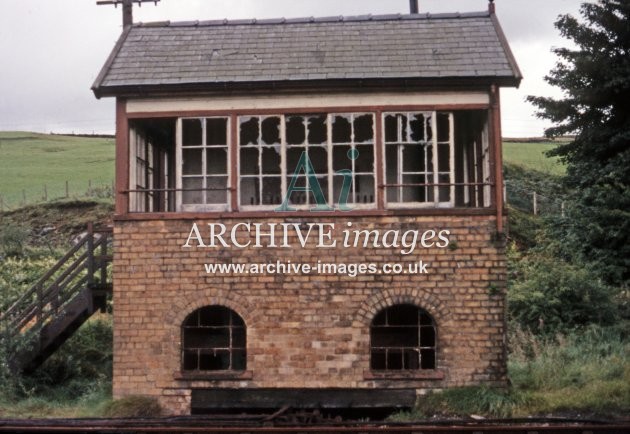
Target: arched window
(213, 339)
(402, 337)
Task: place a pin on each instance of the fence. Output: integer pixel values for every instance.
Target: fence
(533, 202)
(49, 192)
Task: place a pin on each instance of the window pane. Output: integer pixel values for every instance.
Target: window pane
(427, 337)
(414, 158)
(341, 157)
(216, 337)
(341, 129)
(364, 161)
(377, 360)
(250, 191)
(214, 316)
(271, 161)
(192, 161)
(293, 158)
(417, 125)
(216, 132)
(415, 193)
(271, 130)
(216, 161)
(272, 190)
(411, 358)
(190, 360)
(403, 314)
(427, 359)
(319, 159)
(192, 132)
(217, 189)
(391, 128)
(239, 360)
(249, 131)
(363, 128)
(238, 337)
(317, 130)
(364, 188)
(443, 124)
(249, 161)
(295, 130)
(297, 197)
(444, 190)
(394, 359)
(195, 195)
(217, 360)
(444, 162)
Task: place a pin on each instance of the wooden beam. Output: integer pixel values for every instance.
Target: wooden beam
(302, 398)
(122, 157)
(497, 154)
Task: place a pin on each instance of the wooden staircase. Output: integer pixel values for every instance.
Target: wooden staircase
(49, 313)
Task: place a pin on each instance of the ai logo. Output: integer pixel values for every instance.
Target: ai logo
(312, 185)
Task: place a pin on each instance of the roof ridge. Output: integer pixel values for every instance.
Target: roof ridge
(308, 20)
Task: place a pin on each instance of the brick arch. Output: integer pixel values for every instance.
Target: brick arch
(391, 297)
(230, 299)
(184, 306)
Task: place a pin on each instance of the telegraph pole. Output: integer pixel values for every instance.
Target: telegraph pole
(127, 7)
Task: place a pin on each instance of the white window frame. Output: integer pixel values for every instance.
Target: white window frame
(329, 147)
(435, 203)
(182, 207)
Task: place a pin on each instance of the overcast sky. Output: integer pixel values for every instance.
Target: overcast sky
(52, 50)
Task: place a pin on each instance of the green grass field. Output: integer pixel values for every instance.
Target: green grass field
(28, 161)
(532, 156)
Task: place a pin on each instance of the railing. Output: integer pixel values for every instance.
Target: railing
(454, 195)
(84, 266)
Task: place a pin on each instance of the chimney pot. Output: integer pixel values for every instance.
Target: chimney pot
(413, 6)
(491, 7)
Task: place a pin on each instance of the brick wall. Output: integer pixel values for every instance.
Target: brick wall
(305, 331)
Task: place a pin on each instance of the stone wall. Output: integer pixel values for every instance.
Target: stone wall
(305, 331)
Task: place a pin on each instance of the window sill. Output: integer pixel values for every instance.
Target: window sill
(214, 375)
(427, 374)
(295, 214)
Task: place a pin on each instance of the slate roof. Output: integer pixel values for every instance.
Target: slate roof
(224, 54)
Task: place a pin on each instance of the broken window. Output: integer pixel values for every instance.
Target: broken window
(151, 145)
(339, 151)
(204, 163)
(261, 176)
(419, 158)
(213, 339)
(402, 337)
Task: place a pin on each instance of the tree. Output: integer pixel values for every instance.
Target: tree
(595, 79)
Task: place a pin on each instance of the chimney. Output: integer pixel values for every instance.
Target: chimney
(127, 13)
(413, 6)
(491, 7)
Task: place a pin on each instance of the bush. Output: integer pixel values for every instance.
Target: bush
(12, 240)
(132, 407)
(547, 295)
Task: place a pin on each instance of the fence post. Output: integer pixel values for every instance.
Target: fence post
(535, 203)
(562, 208)
(1, 204)
(67, 190)
(89, 187)
(90, 252)
(23, 197)
(45, 193)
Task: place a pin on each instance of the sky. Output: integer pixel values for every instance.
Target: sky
(52, 50)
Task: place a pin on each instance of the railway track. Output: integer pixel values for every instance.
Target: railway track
(209, 425)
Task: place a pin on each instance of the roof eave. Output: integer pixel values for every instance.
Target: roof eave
(401, 84)
(98, 82)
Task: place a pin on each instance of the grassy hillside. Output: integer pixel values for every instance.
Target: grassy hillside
(531, 155)
(28, 161)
